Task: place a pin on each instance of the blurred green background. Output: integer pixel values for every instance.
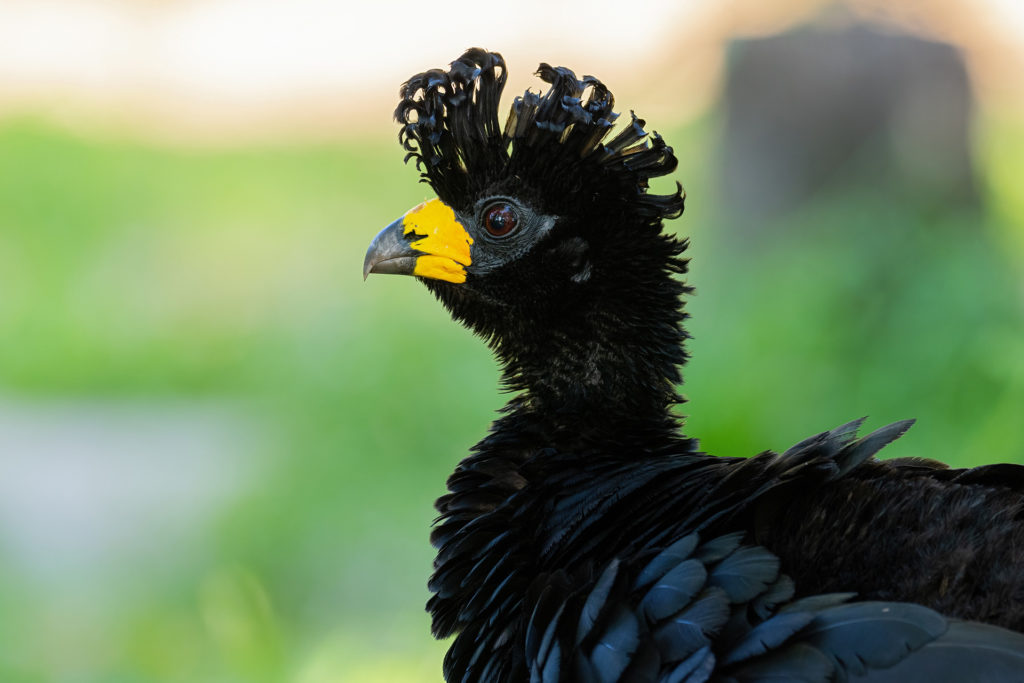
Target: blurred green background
(220, 447)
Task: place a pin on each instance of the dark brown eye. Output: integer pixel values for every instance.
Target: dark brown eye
(500, 219)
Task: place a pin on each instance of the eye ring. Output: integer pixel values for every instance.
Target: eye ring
(500, 219)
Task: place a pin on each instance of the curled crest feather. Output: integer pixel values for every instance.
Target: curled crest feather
(450, 126)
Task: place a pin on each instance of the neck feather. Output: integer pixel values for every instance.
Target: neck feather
(610, 368)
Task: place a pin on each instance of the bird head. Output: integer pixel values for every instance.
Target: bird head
(543, 227)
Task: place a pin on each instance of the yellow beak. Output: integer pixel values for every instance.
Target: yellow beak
(428, 241)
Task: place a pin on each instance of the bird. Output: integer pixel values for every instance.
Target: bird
(586, 537)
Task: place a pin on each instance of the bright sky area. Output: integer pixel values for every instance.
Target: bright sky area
(223, 68)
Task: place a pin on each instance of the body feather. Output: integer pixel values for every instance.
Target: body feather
(586, 538)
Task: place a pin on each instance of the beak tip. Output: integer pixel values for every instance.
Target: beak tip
(389, 252)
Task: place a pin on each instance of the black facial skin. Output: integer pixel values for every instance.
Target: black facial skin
(489, 251)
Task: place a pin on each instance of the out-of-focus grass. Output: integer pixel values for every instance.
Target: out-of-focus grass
(135, 270)
(884, 312)
(1001, 147)
(132, 270)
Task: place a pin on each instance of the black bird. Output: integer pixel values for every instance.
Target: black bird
(585, 538)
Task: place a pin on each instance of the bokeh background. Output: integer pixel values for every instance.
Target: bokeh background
(219, 447)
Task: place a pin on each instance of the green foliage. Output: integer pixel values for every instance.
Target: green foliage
(137, 271)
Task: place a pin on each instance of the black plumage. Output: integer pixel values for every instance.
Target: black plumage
(586, 538)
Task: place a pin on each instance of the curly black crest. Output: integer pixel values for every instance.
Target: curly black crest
(450, 126)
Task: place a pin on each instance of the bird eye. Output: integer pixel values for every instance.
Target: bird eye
(500, 219)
